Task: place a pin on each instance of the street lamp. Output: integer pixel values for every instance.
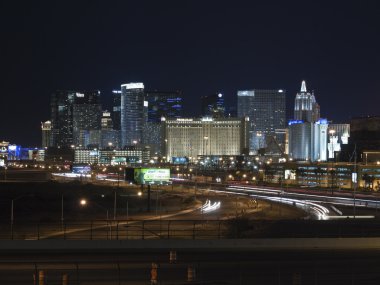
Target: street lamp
(139, 194)
(83, 203)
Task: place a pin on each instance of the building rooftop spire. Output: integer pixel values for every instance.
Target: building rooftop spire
(303, 86)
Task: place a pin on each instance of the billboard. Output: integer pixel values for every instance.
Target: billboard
(290, 174)
(151, 175)
(180, 160)
(81, 169)
(118, 160)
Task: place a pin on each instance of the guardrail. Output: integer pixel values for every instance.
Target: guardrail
(119, 230)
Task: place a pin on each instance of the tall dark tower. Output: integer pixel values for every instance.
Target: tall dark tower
(72, 113)
(213, 105)
(266, 110)
(166, 104)
(116, 109)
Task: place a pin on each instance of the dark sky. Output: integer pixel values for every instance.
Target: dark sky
(196, 46)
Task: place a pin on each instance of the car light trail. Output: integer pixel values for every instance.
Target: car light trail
(208, 207)
(317, 198)
(317, 210)
(72, 175)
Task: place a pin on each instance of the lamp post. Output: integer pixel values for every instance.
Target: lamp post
(115, 194)
(114, 206)
(139, 194)
(12, 210)
(62, 212)
(83, 203)
(355, 180)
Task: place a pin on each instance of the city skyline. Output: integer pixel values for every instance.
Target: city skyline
(198, 49)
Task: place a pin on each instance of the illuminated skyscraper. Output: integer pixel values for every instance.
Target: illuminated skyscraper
(116, 109)
(266, 110)
(72, 114)
(109, 138)
(306, 107)
(46, 134)
(307, 132)
(133, 113)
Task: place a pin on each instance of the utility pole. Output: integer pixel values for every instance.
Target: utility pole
(355, 182)
(148, 206)
(12, 219)
(114, 207)
(62, 212)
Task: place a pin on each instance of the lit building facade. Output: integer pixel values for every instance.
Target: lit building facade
(319, 139)
(205, 137)
(129, 155)
(3, 152)
(300, 140)
(338, 136)
(109, 137)
(266, 110)
(133, 113)
(308, 141)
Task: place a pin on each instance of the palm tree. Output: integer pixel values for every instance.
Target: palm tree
(333, 176)
(365, 177)
(299, 173)
(368, 180)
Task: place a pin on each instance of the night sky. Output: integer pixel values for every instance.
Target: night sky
(199, 47)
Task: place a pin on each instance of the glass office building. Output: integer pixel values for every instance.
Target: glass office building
(72, 112)
(266, 110)
(168, 104)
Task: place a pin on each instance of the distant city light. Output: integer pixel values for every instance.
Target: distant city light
(133, 85)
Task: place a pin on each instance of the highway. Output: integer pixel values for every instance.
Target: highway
(319, 205)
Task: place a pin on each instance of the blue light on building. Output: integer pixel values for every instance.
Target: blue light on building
(293, 122)
(322, 122)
